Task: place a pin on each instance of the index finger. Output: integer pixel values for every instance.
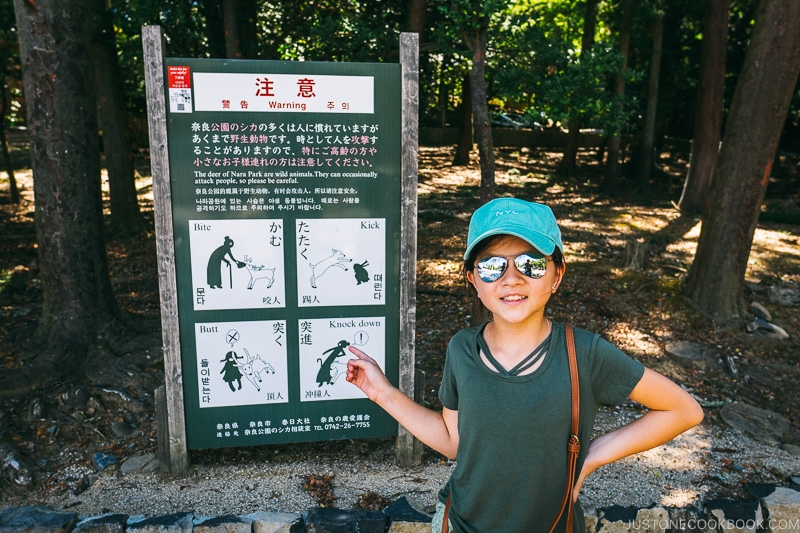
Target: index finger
(358, 353)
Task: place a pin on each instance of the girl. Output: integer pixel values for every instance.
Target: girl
(506, 393)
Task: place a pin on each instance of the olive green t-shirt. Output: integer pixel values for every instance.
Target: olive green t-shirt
(512, 454)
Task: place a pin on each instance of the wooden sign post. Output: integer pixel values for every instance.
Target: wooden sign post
(286, 214)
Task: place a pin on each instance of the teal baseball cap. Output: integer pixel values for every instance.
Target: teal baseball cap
(531, 222)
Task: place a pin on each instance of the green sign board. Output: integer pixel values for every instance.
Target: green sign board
(285, 181)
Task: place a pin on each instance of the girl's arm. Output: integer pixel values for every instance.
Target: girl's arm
(437, 430)
(672, 411)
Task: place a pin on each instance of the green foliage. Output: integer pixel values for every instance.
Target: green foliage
(581, 91)
(11, 282)
(534, 63)
(527, 47)
(333, 30)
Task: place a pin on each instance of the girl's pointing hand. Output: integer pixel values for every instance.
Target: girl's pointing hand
(365, 373)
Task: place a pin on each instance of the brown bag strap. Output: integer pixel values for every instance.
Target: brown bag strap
(574, 443)
(445, 520)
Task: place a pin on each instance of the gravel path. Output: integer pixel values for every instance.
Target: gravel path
(707, 461)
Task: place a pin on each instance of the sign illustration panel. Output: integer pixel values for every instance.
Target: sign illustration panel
(242, 363)
(324, 354)
(286, 194)
(340, 261)
(237, 264)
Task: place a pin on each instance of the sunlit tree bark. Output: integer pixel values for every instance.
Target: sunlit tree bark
(758, 111)
(708, 108)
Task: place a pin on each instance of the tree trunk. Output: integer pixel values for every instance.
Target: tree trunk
(13, 190)
(126, 219)
(614, 145)
(480, 111)
(229, 17)
(757, 114)
(708, 108)
(79, 309)
(250, 40)
(465, 141)
(211, 11)
(567, 165)
(12, 181)
(416, 16)
(648, 131)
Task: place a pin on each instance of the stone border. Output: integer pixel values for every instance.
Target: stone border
(771, 509)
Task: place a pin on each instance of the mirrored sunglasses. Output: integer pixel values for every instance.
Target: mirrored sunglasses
(532, 265)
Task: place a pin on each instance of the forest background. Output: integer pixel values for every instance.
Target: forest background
(718, 78)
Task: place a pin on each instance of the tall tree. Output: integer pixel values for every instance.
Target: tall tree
(13, 189)
(708, 108)
(416, 16)
(465, 136)
(757, 114)
(229, 17)
(480, 110)
(79, 310)
(472, 20)
(646, 156)
(126, 219)
(613, 172)
(574, 123)
(8, 44)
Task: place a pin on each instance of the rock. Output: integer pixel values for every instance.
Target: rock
(788, 296)
(36, 519)
(590, 517)
(760, 490)
(116, 399)
(783, 509)
(745, 515)
(617, 519)
(107, 523)
(177, 522)
(409, 527)
(264, 522)
(326, 520)
(759, 424)
(791, 448)
(223, 524)
(767, 329)
(93, 405)
(760, 311)
(689, 520)
(13, 468)
(36, 409)
(140, 463)
(402, 511)
(122, 429)
(690, 355)
(73, 399)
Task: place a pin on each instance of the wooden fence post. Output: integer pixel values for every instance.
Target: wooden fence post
(175, 431)
(409, 450)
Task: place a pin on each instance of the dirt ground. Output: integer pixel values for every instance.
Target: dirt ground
(640, 310)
